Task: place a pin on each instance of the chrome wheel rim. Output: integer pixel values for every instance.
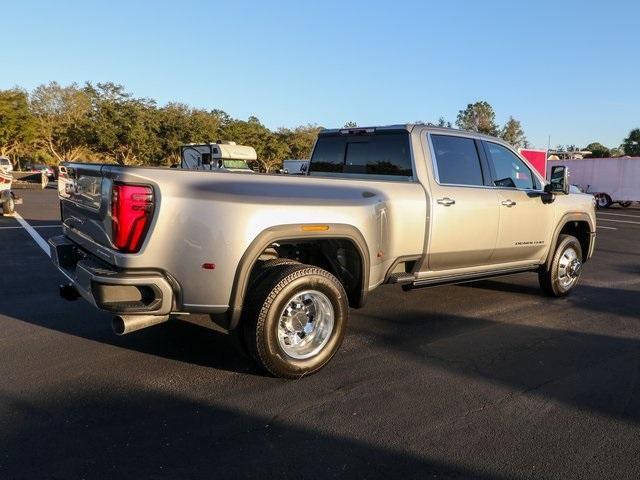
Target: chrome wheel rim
(305, 324)
(569, 268)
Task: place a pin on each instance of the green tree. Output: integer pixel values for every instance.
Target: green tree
(270, 148)
(631, 145)
(443, 122)
(272, 151)
(179, 124)
(598, 150)
(61, 120)
(617, 152)
(350, 124)
(17, 124)
(122, 128)
(512, 133)
(174, 129)
(478, 117)
(300, 140)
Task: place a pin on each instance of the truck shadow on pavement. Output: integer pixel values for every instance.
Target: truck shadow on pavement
(554, 359)
(177, 340)
(578, 356)
(599, 299)
(133, 433)
(98, 428)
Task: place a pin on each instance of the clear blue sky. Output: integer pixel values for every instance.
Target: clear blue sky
(570, 69)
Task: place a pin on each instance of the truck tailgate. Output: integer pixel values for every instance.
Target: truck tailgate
(85, 203)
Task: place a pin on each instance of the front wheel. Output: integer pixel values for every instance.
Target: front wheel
(625, 204)
(562, 276)
(294, 320)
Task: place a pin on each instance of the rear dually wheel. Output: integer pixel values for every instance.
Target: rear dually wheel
(294, 319)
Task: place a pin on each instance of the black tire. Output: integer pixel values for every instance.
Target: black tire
(550, 280)
(267, 268)
(603, 200)
(9, 206)
(625, 204)
(264, 305)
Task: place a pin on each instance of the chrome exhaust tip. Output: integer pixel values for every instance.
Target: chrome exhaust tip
(123, 324)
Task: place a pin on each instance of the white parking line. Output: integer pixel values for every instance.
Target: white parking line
(617, 221)
(619, 214)
(35, 235)
(34, 226)
(608, 228)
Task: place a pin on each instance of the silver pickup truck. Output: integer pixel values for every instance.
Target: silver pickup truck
(283, 258)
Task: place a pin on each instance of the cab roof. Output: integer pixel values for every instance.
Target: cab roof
(404, 127)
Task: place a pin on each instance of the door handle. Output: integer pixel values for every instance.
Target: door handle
(446, 201)
(508, 203)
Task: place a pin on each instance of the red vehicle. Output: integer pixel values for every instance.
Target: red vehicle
(537, 159)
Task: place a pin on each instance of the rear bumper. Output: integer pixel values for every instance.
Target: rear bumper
(115, 291)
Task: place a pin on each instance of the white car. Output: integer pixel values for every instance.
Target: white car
(6, 165)
(63, 180)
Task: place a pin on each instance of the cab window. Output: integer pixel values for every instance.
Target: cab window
(457, 160)
(381, 154)
(509, 171)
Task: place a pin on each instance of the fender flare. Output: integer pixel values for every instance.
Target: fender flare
(564, 220)
(290, 232)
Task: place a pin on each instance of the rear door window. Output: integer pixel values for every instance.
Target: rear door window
(384, 154)
(457, 161)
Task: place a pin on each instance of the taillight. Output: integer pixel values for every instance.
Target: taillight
(131, 212)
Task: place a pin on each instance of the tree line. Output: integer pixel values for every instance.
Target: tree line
(629, 147)
(103, 122)
(480, 117)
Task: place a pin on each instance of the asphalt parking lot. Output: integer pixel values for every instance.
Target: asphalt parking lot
(483, 380)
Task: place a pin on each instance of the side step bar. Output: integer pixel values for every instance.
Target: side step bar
(468, 277)
(401, 278)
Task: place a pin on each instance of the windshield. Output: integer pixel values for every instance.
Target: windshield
(236, 164)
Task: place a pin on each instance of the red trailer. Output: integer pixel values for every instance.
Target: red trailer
(537, 159)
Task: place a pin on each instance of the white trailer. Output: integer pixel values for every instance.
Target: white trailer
(225, 156)
(610, 180)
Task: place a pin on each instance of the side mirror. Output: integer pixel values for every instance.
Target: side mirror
(559, 180)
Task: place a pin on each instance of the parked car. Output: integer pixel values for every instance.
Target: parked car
(282, 258)
(8, 199)
(47, 170)
(64, 183)
(6, 165)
